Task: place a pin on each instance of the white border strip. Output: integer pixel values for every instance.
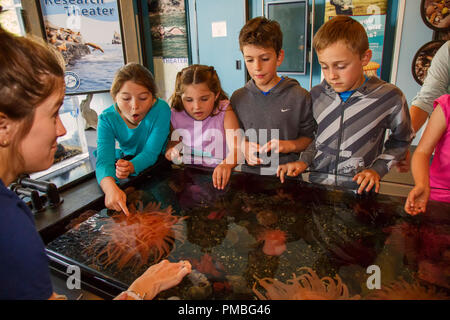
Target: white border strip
(311, 54)
(398, 40)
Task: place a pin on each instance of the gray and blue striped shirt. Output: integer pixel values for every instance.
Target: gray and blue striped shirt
(351, 135)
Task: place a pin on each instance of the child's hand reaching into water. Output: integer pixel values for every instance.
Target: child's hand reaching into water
(115, 198)
(124, 168)
(417, 200)
(221, 175)
(291, 169)
(366, 180)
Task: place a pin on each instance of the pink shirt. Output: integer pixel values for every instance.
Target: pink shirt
(204, 141)
(440, 166)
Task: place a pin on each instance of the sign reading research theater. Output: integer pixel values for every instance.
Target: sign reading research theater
(89, 36)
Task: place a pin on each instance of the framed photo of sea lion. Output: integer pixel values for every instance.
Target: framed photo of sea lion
(89, 36)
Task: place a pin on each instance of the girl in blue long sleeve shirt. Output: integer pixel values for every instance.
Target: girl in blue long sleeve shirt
(139, 122)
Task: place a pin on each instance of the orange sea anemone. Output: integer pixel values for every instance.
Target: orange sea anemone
(402, 290)
(133, 240)
(274, 242)
(307, 286)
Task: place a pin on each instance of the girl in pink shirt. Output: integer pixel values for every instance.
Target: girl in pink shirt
(203, 124)
(432, 182)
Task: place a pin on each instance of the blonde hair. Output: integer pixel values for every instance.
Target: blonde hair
(342, 28)
(261, 32)
(196, 74)
(30, 71)
(136, 73)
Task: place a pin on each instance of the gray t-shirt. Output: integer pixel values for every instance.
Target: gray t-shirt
(437, 82)
(285, 109)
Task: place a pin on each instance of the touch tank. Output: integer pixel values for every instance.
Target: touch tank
(260, 239)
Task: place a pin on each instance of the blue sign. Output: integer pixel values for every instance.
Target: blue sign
(88, 34)
(375, 26)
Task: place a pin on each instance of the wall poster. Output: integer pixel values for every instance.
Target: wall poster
(169, 42)
(89, 36)
(372, 15)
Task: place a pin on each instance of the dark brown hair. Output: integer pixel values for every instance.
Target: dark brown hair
(136, 73)
(30, 71)
(196, 74)
(261, 32)
(342, 28)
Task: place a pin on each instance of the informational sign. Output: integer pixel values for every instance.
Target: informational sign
(169, 43)
(219, 29)
(372, 15)
(375, 27)
(89, 36)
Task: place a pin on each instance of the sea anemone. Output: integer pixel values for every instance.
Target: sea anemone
(266, 218)
(274, 242)
(308, 286)
(207, 265)
(402, 290)
(133, 240)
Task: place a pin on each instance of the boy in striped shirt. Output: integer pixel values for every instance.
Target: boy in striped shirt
(353, 113)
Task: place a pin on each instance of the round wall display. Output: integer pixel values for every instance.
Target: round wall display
(422, 59)
(436, 14)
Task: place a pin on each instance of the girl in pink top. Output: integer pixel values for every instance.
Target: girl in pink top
(436, 177)
(203, 124)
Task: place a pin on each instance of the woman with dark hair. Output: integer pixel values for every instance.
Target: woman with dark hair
(32, 92)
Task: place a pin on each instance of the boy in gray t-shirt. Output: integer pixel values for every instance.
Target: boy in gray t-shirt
(275, 112)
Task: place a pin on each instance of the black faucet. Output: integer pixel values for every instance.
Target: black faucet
(48, 188)
(36, 201)
(31, 188)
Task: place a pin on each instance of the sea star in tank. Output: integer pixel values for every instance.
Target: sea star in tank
(307, 286)
(143, 237)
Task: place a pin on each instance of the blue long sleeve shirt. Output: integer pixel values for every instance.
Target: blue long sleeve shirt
(145, 142)
(24, 270)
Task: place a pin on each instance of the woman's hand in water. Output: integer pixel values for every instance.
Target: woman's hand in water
(160, 277)
(221, 175)
(124, 168)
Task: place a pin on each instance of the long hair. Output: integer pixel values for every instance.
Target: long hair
(30, 71)
(136, 73)
(196, 74)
